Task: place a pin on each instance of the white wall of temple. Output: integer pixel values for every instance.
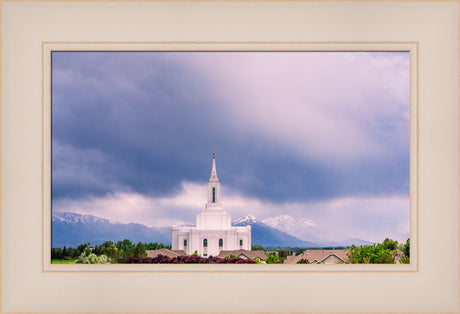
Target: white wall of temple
(213, 220)
(244, 234)
(178, 236)
(191, 240)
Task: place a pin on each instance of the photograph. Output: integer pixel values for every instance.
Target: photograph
(230, 157)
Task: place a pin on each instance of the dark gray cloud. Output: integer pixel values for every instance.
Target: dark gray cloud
(144, 122)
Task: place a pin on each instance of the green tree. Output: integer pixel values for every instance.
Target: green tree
(151, 246)
(127, 246)
(303, 261)
(112, 252)
(390, 244)
(56, 253)
(124, 255)
(81, 248)
(406, 248)
(370, 254)
(139, 250)
(257, 247)
(405, 260)
(98, 250)
(273, 259)
(107, 244)
(71, 252)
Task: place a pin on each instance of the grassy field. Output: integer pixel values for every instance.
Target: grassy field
(62, 261)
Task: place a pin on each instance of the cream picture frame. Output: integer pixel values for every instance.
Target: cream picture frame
(30, 30)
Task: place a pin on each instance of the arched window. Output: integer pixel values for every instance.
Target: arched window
(221, 243)
(213, 195)
(241, 242)
(205, 242)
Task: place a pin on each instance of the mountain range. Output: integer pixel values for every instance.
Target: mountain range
(71, 229)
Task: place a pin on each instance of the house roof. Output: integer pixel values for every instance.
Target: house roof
(165, 252)
(292, 259)
(317, 255)
(249, 254)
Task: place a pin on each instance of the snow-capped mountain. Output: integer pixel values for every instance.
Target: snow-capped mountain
(70, 229)
(244, 221)
(71, 218)
(288, 221)
(306, 230)
(302, 228)
(268, 236)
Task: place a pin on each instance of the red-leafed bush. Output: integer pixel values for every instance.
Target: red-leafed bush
(187, 259)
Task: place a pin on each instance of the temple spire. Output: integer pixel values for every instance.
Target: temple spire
(213, 169)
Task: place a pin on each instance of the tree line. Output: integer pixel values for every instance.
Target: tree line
(377, 253)
(114, 252)
(123, 251)
(380, 253)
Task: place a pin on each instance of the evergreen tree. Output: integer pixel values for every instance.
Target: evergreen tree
(140, 250)
(390, 244)
(257, 247)
(71, 252)
(406, 248)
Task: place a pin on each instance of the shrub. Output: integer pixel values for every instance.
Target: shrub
(303, 261)
(92, 259)
(273, 259)
(188, 259)
(405, 260)
(371, 254)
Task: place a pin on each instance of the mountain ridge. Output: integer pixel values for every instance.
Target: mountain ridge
(72, 229)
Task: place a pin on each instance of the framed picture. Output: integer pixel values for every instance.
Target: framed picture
(333, 142)
(234, 107)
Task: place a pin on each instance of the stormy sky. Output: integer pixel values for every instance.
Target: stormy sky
(317, 135)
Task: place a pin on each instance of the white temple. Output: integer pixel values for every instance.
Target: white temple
(213, 232)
